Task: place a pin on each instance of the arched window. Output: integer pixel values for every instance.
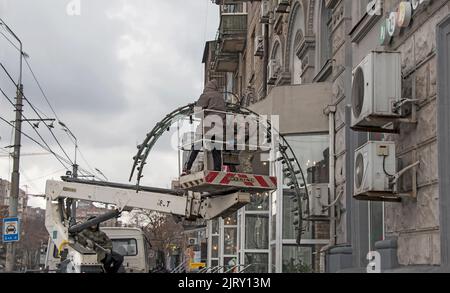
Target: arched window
(277, 53)
(324, 35)
(296, 31)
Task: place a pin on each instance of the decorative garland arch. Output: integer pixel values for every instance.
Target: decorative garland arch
(291, 167)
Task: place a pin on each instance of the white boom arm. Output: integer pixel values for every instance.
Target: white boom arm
(191, 206)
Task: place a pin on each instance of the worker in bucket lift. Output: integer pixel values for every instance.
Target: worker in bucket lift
(212, 100)
(97, 240)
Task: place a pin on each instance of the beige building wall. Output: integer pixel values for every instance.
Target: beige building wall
(299, 107)
(416, 221)
(298, 35)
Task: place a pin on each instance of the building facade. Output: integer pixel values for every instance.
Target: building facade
(5, 189)
(296, 59)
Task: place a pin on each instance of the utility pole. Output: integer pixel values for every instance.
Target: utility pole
(15, 176)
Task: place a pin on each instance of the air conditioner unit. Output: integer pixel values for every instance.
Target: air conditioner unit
(375, 163)
(282, 6)
(272, 71)
(265, 11)
(318, 199)
(192, 241)
(259, 46)
(376, 87)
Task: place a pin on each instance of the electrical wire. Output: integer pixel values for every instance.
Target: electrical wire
(81, 170)
(58, 157)
(85, 161)
(45, 176)
(41, 90)
(43, 140)
(48, 149)
(10, 157)
(27, 180)
(40, 117)
(9, 40)
(56, 116)
(48, 103)
(5, 152)
(49, 128)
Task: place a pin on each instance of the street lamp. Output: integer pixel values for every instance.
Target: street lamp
(67, 130)
(101, 173)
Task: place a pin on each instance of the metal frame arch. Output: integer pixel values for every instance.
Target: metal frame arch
(291, 165)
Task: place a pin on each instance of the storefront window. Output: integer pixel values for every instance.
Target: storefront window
(274, 216)
(214, 263)
(215, 247)
(215, 226)
(230, 241)
(312, 152)
(256, 231)
(289, 206)
(273, 256)
(258, 262)
(259, 202)
(289, 231)
(231, 220)
(297, 259)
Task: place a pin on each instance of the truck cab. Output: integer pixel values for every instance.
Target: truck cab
(131, 243)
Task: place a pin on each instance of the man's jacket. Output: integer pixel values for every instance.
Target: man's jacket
(212, 99)
(98, 237)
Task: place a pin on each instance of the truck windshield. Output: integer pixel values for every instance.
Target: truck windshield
(125, 247)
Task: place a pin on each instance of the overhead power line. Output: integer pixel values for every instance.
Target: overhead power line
(37, 113)
(47, 147)
(58, 157)
(41, 90)
(36, 109)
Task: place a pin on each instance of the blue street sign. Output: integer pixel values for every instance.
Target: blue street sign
(11, 232)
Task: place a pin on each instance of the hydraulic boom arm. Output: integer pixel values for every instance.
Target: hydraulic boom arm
(187, 204)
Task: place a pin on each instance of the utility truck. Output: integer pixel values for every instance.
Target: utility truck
(203, 195)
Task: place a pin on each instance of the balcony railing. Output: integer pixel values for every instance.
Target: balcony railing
(231, 36)
(232, 8)
(233, 32)
(225, 62)
(233, 23)
(225, 2)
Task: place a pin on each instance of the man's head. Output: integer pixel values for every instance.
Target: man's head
(212, 85)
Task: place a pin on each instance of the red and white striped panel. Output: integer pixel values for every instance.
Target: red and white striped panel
(228, 179)
(238, 179)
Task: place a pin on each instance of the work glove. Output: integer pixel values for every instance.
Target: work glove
(90, 243)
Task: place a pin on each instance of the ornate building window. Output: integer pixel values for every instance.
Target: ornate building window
(296, 28)
(324, 49)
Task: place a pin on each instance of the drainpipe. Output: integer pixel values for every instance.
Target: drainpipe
(330, 112)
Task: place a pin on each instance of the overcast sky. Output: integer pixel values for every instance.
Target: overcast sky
(111, 73)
